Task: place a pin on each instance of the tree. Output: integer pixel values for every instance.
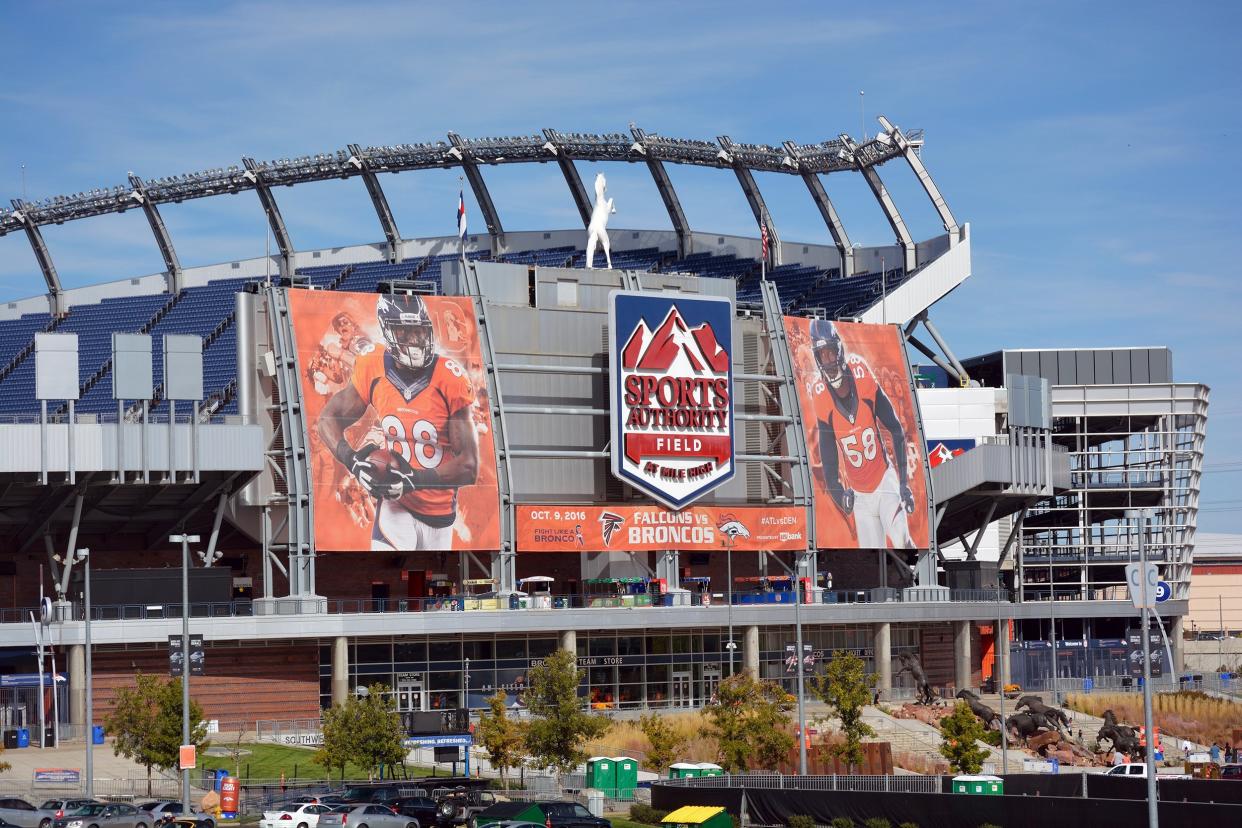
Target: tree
(846, 688)
(146, 723)
(558, 724)
(960, 732)
(501, 736)
(337, 748)
(666, 742)
(751, 723)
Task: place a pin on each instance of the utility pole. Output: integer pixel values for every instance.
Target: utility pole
(185, 541)
(84, 555)
(1153, 813)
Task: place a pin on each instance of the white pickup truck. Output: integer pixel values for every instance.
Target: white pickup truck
(1138, 770)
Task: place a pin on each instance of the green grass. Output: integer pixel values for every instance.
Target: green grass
(623, 821)
(266, 761)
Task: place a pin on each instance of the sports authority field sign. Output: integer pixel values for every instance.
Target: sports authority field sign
(672, 393)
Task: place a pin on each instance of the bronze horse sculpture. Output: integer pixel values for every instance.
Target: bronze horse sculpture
(910, 664)
(1035, 705)
(1123, 737)
(986, 714)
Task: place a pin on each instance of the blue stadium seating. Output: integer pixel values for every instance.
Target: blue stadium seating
(207, 311)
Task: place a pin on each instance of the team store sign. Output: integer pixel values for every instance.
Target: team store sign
(672, 394)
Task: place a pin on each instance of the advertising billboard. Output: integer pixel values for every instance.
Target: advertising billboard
(543, 528)
(399, 422)
(672, 393)
(868, 459)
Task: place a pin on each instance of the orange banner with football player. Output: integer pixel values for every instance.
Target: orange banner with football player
(868, 460)
(542, 528)
(399, 422)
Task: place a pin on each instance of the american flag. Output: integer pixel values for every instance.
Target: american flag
(461, 215)
(763, 239)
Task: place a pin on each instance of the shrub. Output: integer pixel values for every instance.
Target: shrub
(800, 821)
(908, 825)
(992, 737)
(842, 822)
(646, 814)
(877, 822)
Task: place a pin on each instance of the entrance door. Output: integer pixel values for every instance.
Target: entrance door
(411, 697)
(711, 681)
(683, 694)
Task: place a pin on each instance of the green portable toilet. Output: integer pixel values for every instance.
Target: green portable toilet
(698, 816)
(684, 770)
(708, 769)
(979, 785)
(627, 776)
(601, 774)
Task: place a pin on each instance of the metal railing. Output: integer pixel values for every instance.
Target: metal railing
(468, 603)
(834, 782)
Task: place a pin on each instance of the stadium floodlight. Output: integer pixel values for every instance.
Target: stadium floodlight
(884, 138)
(638, 148)
(550, 147)
(725, 157)
(455, 153)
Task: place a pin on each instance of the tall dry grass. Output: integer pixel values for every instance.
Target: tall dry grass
(1188, 715)
(626, 738)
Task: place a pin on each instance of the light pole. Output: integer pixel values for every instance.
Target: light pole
(84, 557)
(797, 578)
(185, 541)
(1153, 813)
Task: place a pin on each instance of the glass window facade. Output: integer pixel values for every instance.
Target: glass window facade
(653, 669)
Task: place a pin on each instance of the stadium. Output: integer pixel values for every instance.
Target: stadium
(270, 409)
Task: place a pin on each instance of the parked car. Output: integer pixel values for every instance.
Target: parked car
(1231, 771)
(295, 815)
(420, 808)
(458, 806)
(365, 816)
(164, 812)
(105, 815)
(19, 812)
(556, 814)
(65, 806)
(1138, 770)
(192, 821)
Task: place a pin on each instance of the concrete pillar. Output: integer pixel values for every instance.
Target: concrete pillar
(340, 669)
(1176, 631)
(961, 654)
(569, 641)
(77, 686)
(884, 658)
(1004, 669)
(750, 651)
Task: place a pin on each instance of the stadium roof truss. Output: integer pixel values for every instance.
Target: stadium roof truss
(808, 161)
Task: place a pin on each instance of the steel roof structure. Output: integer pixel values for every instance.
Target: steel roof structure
(809, 161)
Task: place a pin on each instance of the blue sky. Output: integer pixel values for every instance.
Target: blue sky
(1090, 145)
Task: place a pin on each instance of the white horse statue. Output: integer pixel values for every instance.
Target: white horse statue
(597, 230)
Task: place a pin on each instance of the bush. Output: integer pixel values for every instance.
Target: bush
(800, 821)
(908, 825)
(877, 822)
(842, 822)
(646, 814)
(992, 737)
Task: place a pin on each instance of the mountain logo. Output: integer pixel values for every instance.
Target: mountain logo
(942, 451)
(672, 393)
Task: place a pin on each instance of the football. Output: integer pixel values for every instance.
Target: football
(384, 463)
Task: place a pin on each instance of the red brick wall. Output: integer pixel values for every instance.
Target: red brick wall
(242, 683)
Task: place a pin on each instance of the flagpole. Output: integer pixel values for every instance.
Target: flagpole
(461, 237)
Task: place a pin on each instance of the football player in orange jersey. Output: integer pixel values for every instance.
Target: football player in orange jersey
(422, 401)
(861, 475)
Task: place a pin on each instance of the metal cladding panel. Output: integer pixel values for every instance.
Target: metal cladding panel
(183, 367)
(1066, 368)
(1121, 367)
(56, 366)
(1103, 368)
(131, 367)
(1030, 363)
(1140, 365)
(1048, 365)
(221, 447)
(1159, 365)
(1085, 373)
